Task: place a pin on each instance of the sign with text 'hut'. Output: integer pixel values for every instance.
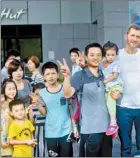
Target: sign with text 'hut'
(8, 13)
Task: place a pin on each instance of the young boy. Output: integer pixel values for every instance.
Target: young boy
(112, 80)
(20, 130)
(58, 122)
(74, 55)
(39, 124)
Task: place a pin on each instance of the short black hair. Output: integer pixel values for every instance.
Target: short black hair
(16, 102)
(49, 65)
(109, 45)
(13, 52)
(91, 45)
(74, 50)
(38, 86)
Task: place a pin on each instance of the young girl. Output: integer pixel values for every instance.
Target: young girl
(9, 93)
(111, 70)
(39, 124)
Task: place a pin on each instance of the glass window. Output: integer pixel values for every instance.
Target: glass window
(134, 12)
(2, 53)
(30, 47)
(25, 38)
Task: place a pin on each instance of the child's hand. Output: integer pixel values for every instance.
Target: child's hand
(31, 142)
(4, 144)
(75, 131)
(105, 81)
(34, 98)
(29, 110)
(81, 60)
(33, 145)
(8, 141)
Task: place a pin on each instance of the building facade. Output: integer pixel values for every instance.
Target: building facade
(49, 28)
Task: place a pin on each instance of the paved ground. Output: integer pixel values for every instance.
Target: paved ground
(116, 146)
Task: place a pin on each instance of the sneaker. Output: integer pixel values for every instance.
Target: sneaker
(52, 153)
(115, 135)
(111, 129)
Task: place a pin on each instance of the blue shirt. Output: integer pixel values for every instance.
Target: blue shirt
(58, 122)
(94, 113)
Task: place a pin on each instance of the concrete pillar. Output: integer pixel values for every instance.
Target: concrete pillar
(112, 19)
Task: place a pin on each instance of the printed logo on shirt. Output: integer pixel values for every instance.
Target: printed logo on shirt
(25, 132)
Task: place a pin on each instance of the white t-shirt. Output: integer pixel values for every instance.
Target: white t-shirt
(130, 74)
(75, 68)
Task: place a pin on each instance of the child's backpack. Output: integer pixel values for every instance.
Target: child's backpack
(75, 103)
(76, 107)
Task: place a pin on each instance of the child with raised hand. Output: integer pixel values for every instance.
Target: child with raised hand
(20, 132)
(58, 123)
(9, 93)
(39, 124)
(112, 80)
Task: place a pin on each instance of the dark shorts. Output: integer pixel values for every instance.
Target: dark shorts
(59, 147)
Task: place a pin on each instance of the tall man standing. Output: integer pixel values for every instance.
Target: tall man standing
(128, 109)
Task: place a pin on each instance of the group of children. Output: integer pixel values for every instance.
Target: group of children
(17, 135)
(43, 127)
(24, 131)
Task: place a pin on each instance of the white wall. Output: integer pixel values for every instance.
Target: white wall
(67, 23)
(75, 12)
(15, 7)
(50, 12)
(113, 19)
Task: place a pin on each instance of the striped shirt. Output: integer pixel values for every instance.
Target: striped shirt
(37, 78)
(38, 117)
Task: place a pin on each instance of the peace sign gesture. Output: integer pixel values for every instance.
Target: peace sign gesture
(64, 68)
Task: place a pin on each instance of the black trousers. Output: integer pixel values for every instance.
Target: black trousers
(95, 145)
(60, 146)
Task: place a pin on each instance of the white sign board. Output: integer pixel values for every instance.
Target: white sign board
(51, 55)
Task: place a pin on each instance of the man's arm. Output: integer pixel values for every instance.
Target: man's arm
(70, 85)
(68, 89)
